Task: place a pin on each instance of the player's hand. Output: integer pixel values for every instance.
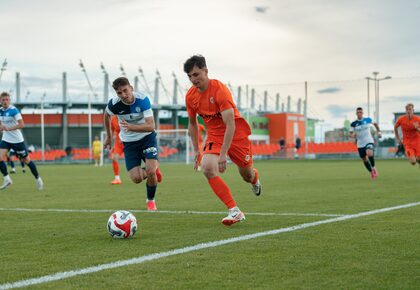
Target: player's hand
(107, 142)
(125, 125)
(197, 160)
(379, 134)
(399, 141)
(416, 125)
(222, 163)
(3, 128)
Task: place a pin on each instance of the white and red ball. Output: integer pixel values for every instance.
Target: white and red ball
(122, 224)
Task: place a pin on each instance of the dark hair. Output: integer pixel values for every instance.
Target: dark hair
(196, 60)
(409, 105)
(4, 94)
(120, 82)
(359, 109)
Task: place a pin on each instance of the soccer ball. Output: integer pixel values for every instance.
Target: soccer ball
(122, 224)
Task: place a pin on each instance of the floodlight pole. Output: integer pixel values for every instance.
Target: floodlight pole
(305, 112)
(368, 96)
(3, 68)
(89, 109)
(148, 91)
(376, 81)
(43, 127)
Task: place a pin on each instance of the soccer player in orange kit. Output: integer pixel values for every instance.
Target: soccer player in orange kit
(227, 135)
(410, 126)
(117, 150)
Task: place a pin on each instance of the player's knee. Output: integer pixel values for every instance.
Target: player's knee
(208, 172)
(136, 179)
(413, 161)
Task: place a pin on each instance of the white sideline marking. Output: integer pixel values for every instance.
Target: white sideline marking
(165, 211)
(156, 256)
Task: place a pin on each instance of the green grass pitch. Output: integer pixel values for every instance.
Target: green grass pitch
(380, 251)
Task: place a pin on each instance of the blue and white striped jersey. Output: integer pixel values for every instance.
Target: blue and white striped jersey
(362, 128)
(134, 114)
(9, 117)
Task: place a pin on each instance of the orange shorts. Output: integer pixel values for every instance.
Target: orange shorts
(240, 151)
(412, 150)
(118, 148)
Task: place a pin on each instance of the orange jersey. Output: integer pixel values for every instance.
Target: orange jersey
(410, 133)
(209, 105)
(115, 127)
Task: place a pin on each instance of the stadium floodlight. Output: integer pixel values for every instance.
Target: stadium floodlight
(162, 85)
(122, 70)
(82, 66)
(146, 86)
(376, 81)
(106, 73)
(3, 67)
(89, 108)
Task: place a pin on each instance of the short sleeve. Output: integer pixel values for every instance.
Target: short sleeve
(110, 108)
(190, 110)
(224, 98)
(398, 123)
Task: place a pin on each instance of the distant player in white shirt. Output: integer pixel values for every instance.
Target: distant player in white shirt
(10, 124)
(361, 129)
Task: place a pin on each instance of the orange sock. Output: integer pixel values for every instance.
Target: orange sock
(116, 168)
(159, 175)
(255, 177)
(222, 191)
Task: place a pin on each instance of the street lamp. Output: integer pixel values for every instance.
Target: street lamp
(376, 81)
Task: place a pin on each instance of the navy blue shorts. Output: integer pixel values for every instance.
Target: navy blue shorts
(135, 152)
(19, 148)
(362, 150)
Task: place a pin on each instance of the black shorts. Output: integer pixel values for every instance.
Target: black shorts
(19, 148)
(135, 152)
(362, 150)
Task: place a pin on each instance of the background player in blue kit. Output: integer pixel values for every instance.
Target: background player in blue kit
(137, 133)
(11, 123)
(361, 129)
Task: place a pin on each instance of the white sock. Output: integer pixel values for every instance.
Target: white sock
(117, 177)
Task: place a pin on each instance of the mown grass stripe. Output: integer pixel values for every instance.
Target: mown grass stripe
(156, 256)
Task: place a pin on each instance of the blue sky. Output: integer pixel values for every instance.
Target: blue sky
(333, 45)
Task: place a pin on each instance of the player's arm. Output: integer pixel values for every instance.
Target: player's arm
(107, 125)
(193, 132)
(20, 124)
(417, 126)
(378, 131)
(228, 117)
(147, 126)
(397, 135)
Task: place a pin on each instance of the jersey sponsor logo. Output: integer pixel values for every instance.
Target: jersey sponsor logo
(152, 150)
(209, 117)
